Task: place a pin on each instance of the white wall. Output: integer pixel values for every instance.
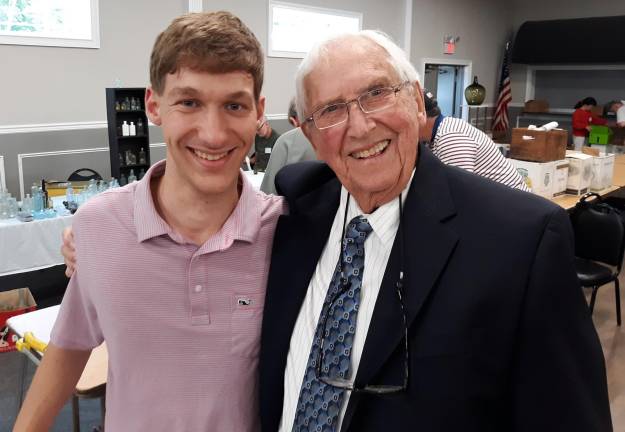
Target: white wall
(482, 25)
(279, 85)
(59, 85)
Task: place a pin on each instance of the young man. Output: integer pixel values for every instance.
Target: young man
(172, 269)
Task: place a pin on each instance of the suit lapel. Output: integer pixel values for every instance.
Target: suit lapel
(428, 244)
(299, 242)
(312, 230)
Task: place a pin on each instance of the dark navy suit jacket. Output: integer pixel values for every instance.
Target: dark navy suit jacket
(499, 332)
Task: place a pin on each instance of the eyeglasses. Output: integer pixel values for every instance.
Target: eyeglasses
(350, 385)
(369, 102)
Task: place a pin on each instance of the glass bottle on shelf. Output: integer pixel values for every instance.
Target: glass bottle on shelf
(132, 129)
(118, 106)
(141, 174)
(122, 180)
(125, 129)
(140, 127)
(132, 177)
(143, 160)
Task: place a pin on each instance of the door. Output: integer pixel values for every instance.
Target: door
(445, 82)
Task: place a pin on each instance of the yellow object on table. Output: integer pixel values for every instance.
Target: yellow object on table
(59, 188)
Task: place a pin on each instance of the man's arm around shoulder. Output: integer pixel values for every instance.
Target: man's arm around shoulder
(559, 378)
(53, 384)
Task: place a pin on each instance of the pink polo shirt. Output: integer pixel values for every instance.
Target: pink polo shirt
(181, 322)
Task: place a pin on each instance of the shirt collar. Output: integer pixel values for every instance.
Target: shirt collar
(242, 224)
(384, 220)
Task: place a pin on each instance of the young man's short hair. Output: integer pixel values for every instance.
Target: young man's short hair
(215, 42)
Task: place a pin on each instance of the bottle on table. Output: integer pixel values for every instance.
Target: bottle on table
(69, 193)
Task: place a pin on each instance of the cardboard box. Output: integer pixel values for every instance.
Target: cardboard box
(14, 302)
(580, 172)
(602, 172)
(537, 175)
(616, 149)
(536, 106)
(560, 177)
(597, 110)
(538, 146)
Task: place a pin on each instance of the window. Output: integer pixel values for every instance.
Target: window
(294, 28)
(68, 23)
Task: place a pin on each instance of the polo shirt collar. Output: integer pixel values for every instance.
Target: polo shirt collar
(242, 224)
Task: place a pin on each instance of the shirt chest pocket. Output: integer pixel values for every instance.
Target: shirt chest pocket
(247, 317)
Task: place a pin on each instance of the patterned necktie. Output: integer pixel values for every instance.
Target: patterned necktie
(319, 403)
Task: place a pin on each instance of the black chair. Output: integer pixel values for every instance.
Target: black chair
(599, 246)
(90, 174)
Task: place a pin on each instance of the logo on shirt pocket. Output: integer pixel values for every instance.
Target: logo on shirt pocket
(247, 316)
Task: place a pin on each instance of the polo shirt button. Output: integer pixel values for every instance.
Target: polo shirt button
(198, 288)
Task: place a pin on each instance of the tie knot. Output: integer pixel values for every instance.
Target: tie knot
(358, 229)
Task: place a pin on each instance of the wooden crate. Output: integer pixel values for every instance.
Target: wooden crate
(544, 146)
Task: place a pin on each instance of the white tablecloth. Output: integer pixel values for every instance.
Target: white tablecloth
(39, 322)
(26, 246)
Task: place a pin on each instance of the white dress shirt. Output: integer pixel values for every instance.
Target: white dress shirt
(384, 222)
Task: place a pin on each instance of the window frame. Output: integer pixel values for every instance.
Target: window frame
(271, 52)
(92, 42)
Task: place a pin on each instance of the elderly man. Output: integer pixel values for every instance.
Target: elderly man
(405, 294)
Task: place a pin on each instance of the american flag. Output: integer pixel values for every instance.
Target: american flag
(500, 122)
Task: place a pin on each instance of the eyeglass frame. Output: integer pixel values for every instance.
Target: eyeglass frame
(351, 385)
(396, 89)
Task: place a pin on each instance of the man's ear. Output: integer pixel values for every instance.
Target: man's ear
(308, 128)
(260, 109)
(153, 106)
(418, 95)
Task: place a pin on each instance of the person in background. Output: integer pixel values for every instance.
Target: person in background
(291, 147)
(160, 276)
(617, 107)
(263, 145)
(293, 120)
(583, 118)
(457, 143)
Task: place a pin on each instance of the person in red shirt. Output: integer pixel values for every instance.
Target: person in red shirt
(583, 118)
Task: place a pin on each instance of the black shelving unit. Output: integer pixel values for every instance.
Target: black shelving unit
(127, 104)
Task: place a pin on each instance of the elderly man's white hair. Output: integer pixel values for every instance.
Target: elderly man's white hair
(396, 57)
